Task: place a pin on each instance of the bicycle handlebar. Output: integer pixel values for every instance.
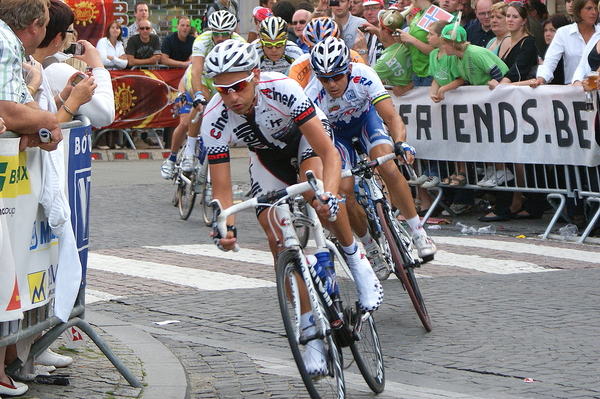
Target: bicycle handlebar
(368, 165)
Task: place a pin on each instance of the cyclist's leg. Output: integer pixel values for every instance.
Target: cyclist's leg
(369, 287)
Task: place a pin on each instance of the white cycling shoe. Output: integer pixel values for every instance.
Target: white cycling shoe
(370, 290)
(167, 169)
(425, 245)
(315, 358)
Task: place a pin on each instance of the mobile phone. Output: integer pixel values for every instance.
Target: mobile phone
(363, 29)
(45, 135)
(75, 49)
(80, 76)
(334, 3)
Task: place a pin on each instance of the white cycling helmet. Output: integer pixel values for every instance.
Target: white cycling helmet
(273, 28)
(231, 56)
(329, 56)
(222, 20)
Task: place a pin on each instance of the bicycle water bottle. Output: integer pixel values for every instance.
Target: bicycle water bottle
(328, 272)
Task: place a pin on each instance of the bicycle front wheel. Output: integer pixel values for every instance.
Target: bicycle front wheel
(365, 345)
(186, 196)
(207, 211)
(403, 262)
(289, 287)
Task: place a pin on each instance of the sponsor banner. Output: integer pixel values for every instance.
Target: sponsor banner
(545, 125)
(144, 98)
(92, 18)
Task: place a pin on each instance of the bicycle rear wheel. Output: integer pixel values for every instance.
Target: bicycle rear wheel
(365, 346)
(403, 262)
(289, 285)
(186, 196)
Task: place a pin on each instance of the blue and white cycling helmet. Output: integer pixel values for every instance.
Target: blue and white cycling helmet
(231, 56)
(222, 20)
(330, 56)
(319, 29)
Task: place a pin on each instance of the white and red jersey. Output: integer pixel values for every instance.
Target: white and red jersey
(364, 90)
(281, 107)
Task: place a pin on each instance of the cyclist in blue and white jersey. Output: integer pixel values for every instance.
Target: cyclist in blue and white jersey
(271, 114)
(276, 52)
(357, 105)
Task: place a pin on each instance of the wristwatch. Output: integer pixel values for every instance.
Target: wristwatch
(362, 51)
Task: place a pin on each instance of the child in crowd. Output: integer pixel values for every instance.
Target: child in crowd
(441, 66)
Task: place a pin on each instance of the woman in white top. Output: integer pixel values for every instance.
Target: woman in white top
(111, 47)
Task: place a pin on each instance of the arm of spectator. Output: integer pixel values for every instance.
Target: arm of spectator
(33, 75)
(91, 56)
(101, 108)
(166, 60)
(81, 94)
(407, 38)
(102, 47)
(132, 61)
(433, 91)
(447, 87)
(27, 120)
(400, 90)
(360, 46)
(321, 10)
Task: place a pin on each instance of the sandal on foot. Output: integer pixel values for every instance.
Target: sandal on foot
(448, 180)
(459, 180)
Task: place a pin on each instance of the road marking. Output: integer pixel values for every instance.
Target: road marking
(201, 279)
(486, 265)
(92, 296)
(244, 254)
(542, 250)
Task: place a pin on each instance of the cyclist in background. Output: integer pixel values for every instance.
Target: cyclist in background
(272, 115)
(357, 105)
(276, 52)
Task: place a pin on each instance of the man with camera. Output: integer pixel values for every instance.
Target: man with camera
(340, 10)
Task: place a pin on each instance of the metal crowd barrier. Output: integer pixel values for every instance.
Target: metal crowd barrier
(558, 182)
(41, 319)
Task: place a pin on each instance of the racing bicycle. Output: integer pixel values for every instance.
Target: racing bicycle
(339, 321)
(395, 242)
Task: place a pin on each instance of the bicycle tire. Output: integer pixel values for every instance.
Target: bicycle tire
(332, 384)
(402, 262)
(187, 197)
(365, 347)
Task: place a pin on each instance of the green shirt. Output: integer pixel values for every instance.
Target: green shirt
(444, 70)
(394, 66)
(420, 60)
(476, 64)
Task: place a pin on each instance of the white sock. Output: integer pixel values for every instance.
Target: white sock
(352, 253)
(307, 320)
(190, 148)
(414, 223)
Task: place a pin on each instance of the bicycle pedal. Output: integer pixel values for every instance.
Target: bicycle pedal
(426, 259)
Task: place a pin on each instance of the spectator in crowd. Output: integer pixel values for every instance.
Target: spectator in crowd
(468, 14)
(442, 66)
(315, 31)
(347, 22)
(480, 31)
(299, 21)
(501, 43)
(368, 44)
(229, 5)
(569, 10)
(416, 40)
(176, 47)
(140, 13)
(537, 10)
(258, 15)
(22, 29)
(393, 67)
(357, 8)
(111, 47)
(143, 48)
(275, 50)
(569, 42)
(451, 6)
(285, 10)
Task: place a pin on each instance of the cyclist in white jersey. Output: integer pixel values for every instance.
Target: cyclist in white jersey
(271, 114)
(357, 105)
(276, 52)
(222, 25)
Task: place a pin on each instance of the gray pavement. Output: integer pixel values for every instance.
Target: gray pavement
(491, 331)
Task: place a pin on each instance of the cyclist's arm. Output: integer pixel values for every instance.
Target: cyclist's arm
(395, 124)
(197, 71)
(322, 144)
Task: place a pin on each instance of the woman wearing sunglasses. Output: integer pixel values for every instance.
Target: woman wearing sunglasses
(271, 114)
(276, 52)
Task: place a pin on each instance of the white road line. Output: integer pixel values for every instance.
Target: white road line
(542, 250)
(244, 254)
(486, 265)
(201, 279)
(92, 296)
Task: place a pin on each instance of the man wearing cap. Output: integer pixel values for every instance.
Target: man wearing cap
(368, 44)
(258, 15)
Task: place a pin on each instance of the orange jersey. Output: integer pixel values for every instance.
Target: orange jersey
(301, 72)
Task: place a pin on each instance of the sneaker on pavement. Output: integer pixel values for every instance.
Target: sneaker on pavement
(432, 181)
(49, 358)
(140, 144)
(315, 357)
(377, 261)
(13, 388)
(23, 375)
(370, 290)
(419, 180)
(425, 245)
(489, 173)
(187, 164)
(500, 177)
(458, 209)
(167, 169)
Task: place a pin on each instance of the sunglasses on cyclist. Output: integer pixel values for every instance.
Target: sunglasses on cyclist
(222, 34)
(235, 87)
(278, 44)
(335, 77)
(301, 22)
